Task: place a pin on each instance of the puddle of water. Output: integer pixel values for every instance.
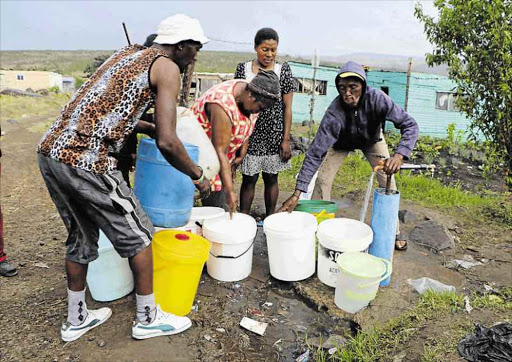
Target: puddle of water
(364, 209)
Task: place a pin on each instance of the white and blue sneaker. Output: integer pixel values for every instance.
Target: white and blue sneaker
(164, 324)
(95, 318)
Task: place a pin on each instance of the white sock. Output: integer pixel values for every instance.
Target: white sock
(77, 309)
(146, 308)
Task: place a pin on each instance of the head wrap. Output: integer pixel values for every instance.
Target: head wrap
(266, 84)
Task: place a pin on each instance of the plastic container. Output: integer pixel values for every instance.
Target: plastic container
(358, 280)
(291, 245)
(178, 260)
(232, 241)
(165, 194)
(384, 219)
(335, 237)
(197, 217)
(109, 277)
(190, 131)
(322, 210)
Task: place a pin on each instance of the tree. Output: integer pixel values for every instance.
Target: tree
(474, 38)
(91, 68)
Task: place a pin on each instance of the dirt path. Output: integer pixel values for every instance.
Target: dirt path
(33, 304)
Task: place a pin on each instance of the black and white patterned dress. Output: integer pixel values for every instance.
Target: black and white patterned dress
(263, 152)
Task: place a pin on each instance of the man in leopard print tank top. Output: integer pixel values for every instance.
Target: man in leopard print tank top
(77, 164)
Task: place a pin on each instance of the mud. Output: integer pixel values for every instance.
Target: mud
(33, 304)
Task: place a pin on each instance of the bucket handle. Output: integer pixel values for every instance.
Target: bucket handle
(386, 274)
(321, 213)
(232, 257)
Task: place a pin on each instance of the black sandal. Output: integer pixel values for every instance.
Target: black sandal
(7, 270)
(400, 243)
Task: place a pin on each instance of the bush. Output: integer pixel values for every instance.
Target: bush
(55, 89)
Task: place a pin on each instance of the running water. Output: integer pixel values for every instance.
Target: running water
(367, 198)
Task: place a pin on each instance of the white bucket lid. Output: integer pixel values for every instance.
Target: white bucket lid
(295, 222)
(205, 213)
(222, 230)
(362, 265)
(343, 234)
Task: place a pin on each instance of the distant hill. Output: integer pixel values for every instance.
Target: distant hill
(73, 63)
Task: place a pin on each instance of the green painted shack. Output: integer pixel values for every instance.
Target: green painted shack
(431, 99)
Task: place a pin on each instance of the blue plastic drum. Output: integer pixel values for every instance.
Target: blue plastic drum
(165, 194)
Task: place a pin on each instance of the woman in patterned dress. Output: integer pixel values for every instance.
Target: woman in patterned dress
(227, 112)
(268, 149)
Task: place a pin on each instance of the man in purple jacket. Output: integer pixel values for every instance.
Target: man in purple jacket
(355, 120)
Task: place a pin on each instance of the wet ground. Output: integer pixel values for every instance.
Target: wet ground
(33, 304)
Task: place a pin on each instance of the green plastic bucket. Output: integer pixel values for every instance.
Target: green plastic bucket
(321, 209)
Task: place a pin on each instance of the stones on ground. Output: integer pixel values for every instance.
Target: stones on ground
(406, 216)
(40, 264)
(101, 343)
(298, 144)
(209, 339)
(432, 234)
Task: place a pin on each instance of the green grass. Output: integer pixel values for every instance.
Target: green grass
(440, 346)
(427, 191)
(74, 62)
(383, 341)
(17, 107)
(355, 173)
(42, 126)
(500, 300)
(70, 63)
(378, 343)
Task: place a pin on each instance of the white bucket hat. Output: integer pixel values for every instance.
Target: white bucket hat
(178, 28)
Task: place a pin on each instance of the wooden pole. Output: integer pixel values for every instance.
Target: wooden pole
(315, 64)
(126, 33)
(407, 84)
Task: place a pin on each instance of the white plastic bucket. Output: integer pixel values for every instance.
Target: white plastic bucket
(291, 245)
(197, 217)
(232, 241)
(337, 236)
(358, 280)
(109, 277)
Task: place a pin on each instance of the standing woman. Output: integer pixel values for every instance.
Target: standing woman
(268, 149)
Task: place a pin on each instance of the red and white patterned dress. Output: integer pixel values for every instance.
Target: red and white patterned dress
(241, 126)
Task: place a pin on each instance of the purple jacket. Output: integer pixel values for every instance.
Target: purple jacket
(348, 129)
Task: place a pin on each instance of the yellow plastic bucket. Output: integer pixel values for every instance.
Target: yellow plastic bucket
(178, 260)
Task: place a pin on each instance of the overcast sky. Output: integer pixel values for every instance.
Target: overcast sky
(332, 27)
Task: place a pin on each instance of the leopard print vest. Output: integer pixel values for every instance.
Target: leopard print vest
(97, 120)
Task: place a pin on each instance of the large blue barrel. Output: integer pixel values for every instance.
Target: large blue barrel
(165, 194)
(383, 223)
